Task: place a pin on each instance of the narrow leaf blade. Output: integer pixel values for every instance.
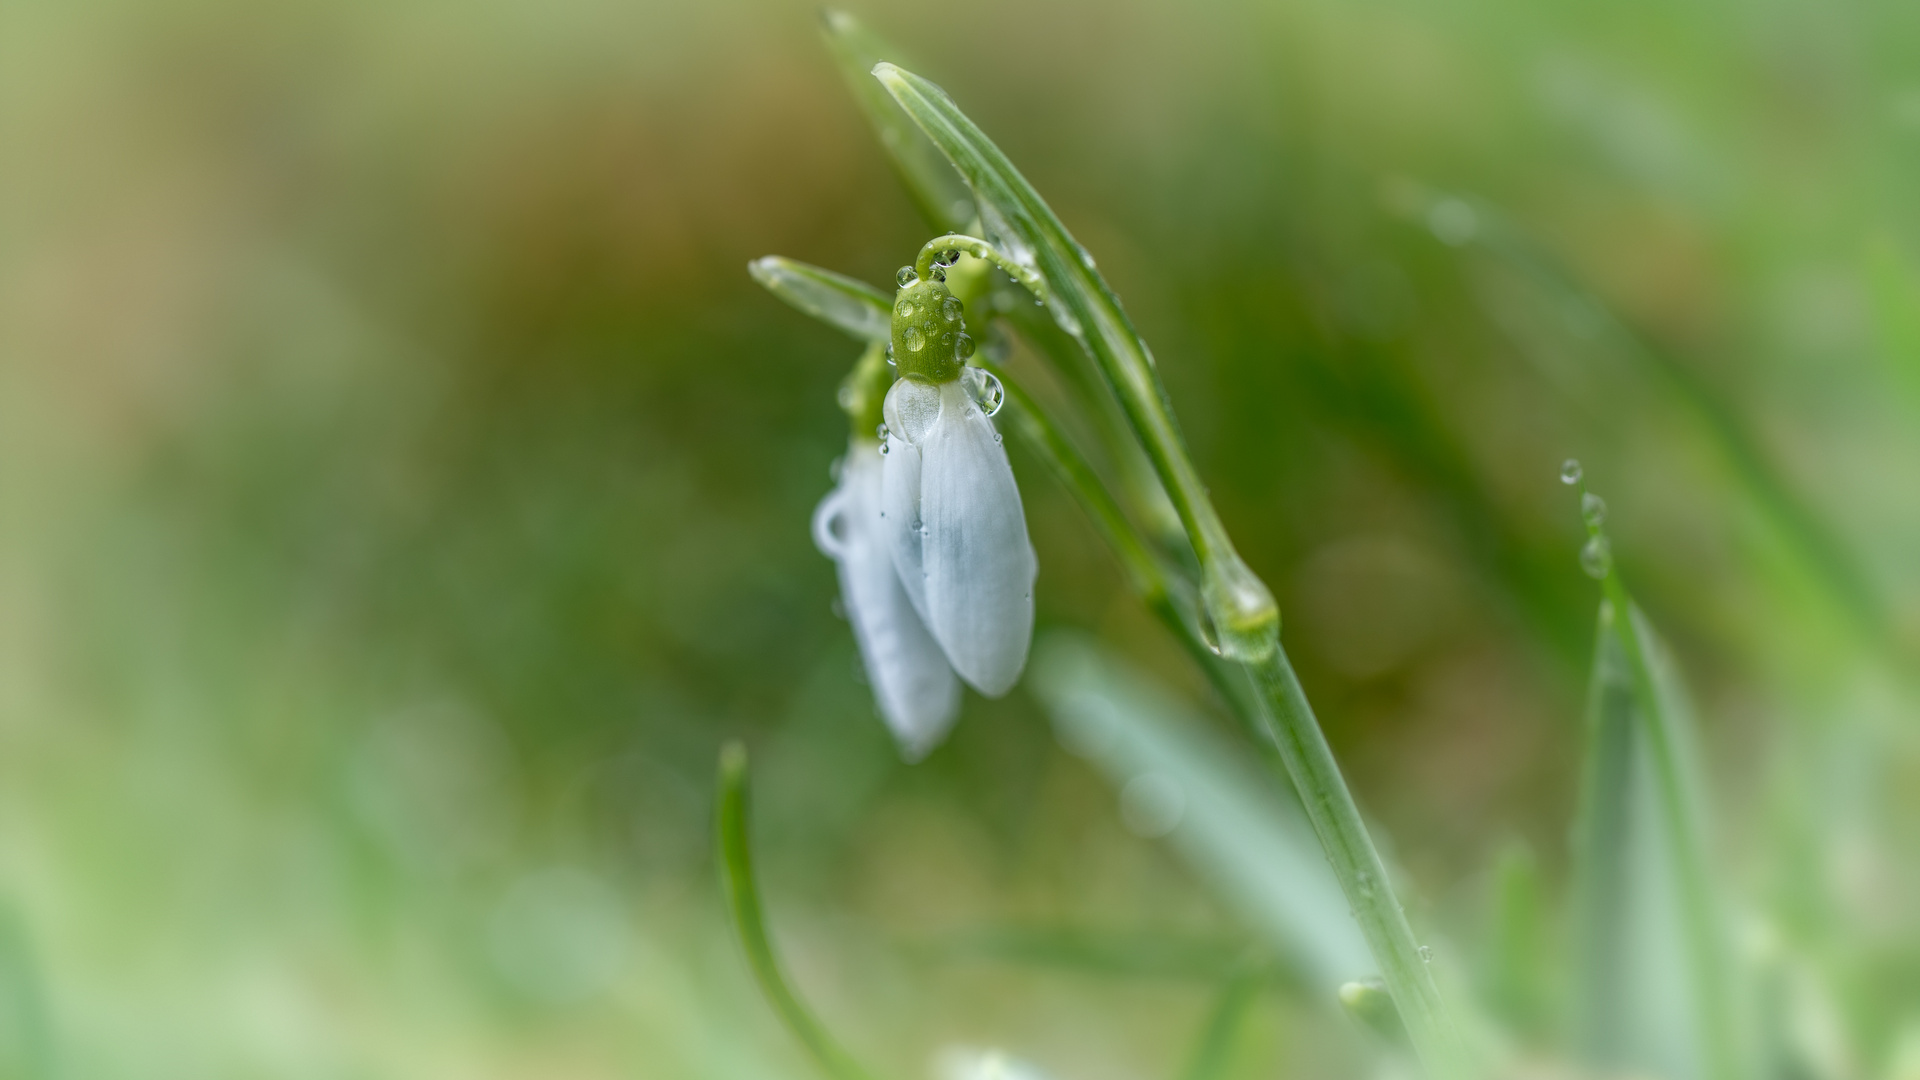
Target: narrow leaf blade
(846, 304)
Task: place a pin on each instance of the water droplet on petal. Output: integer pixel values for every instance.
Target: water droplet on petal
(984, 389)
(882, 432)
(1596, 557)
(1593, 508)
(1570, 471)
(884, 447)
(962, 347)
(906, 277)
(914, 338)
(950, 309)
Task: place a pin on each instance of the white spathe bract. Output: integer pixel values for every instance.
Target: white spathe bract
(957, 531)
(912, 681)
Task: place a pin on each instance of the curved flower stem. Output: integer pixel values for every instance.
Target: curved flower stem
(743, 903)
(980, 249)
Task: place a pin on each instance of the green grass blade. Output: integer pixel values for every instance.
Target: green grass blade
(26, 1039)
(937, 190)
(1248, 843)
(743, 904)
(1514, 979)
(1357, 865)
(1212, 1053)
(1023, 227)
(1602, 870)
(1679, 798)
(846, 304)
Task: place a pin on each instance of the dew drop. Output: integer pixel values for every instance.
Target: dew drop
(950, 309)
(950, 256)
(904, 308)
(985, 390)
(1593, 508)
(1596, 557)
(906, 277)
(1426, 954)
(891, 362)
(914, 338)
(882, 431)
(962, 347)
(1570, 471)
(1211, 637)
(884, 448)
(939, 273)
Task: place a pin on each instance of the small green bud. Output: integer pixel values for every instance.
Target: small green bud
(1368, 1001)
(928, 329)
(864, 390)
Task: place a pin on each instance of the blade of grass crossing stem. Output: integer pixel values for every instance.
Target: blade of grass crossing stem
(1212, 1053)
(1679, 793)
(1016, 220)
(1247, 844)
(743, 903)
(931, 183)
(846, 304)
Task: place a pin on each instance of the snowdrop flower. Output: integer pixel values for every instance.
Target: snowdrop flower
(913, 685)
(952, 510)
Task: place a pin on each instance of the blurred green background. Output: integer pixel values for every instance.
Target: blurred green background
(404, 491)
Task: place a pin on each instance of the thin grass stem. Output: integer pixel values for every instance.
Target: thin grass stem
(743, 903)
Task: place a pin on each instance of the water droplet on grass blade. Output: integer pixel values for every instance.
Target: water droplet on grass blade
(1570, 471)
(1593, 509)
(1596, 557)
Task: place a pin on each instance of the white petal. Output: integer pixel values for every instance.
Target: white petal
(901, 527)
(978, 564)
(912, 682)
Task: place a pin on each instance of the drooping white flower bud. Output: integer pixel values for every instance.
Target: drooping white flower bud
(958, 533)
(912, 681)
